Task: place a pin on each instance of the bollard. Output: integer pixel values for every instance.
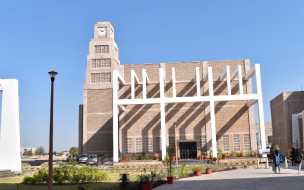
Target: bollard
(258, 163)
(266, 163)
(286, 164)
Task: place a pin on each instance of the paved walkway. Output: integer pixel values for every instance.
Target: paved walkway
(242, 179)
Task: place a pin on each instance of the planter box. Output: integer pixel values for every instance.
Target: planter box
(146, 186)
(197, 173)
(126, 159)
(170, 180)
(208, 171)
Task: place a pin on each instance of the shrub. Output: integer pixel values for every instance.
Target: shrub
(241, 152)
(214, 158)
(25, 164)
(197, 168)
(184, 171)
(27, 179)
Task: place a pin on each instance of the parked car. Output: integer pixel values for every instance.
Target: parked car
(83, 158)
(92, 160)
(72, 158)
(102, 158)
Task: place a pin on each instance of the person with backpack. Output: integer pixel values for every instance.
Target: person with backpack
(276, 161)
(298, 160)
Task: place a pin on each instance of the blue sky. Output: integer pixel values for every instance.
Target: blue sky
(39, 36)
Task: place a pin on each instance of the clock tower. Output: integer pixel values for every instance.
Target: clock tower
(96, 131)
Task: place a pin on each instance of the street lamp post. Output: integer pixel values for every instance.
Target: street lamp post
(52, 75)
(176, 158)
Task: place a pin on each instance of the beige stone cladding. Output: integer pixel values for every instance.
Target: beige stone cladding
(282, 108)
(143, 121)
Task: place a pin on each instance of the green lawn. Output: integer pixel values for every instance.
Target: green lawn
(11, 183)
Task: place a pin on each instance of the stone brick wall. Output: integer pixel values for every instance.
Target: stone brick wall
(282, 108)
(142, 121)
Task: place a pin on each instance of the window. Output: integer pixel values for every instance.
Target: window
(236, 142)
(149, 145)
(171, 141)
(138, 145)
(158, 145)
(129, 145)
(226, 143)
(100, 77)
(98, 63)
(102, 49)
(203, 143)
(105, 49)
(246, 142)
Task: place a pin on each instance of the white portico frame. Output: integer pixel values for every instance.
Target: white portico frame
(211, 98)
(296, 129)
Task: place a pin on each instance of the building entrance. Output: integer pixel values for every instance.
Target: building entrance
(187, 150)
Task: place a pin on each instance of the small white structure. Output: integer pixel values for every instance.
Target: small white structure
(296, 129)
(118, 104)
(10, 126)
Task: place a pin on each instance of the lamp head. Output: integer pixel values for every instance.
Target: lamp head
(52, 74)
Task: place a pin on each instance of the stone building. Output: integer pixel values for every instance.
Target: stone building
(282, 108)
(140, 125)
(27, 149)
(268, 131)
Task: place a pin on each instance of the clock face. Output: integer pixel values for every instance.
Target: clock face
(102, 31)
(112, 33)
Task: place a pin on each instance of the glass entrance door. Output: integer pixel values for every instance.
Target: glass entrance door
(187, 150)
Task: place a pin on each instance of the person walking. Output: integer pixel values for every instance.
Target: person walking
(298, 160)
(276, 161)
(293, 156)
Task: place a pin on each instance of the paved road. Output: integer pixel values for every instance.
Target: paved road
(242, 179)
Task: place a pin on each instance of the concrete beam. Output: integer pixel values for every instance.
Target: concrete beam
(250, 73)
(251, 102)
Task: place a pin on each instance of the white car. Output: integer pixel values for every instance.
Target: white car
(83, 158)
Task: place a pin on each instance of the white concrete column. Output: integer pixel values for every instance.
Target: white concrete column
(198, 81)
(240, 79)
(10, 126)
(144, 83)
(212, 112)
(162, 112)
(260, 104)
(173, 82)
(228, 80)
(115, 116)
(132, 84)
(295, 130)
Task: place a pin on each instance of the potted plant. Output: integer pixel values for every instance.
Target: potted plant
(208, 170)
(126, 158)
(210, 154)
(170, 151)
(197, 170)
(241, 153)
(205, 156)
(219, 160)
(173, 158)
(120, 159)
(145, 180)
(245, 167)
(233, 153)
(255, 153)
(214, 160)
(156, 156)
(199, 157)
(219, 156)
(198, 150)
(225, 155)
(166, 160)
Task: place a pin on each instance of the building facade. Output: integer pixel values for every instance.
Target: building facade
(268, 131)
(282, 108)
(139, 126)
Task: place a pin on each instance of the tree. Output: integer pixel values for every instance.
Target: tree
(54, 153)
(73, 150)
(40, 151)
(60, 153)
(28, 153)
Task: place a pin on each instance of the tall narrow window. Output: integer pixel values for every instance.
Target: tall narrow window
(97, 49)
(129, 145)
(149, 145)
(236, 142)
(138, 145)
(158, 145)
(203, 143)
(226, 143)
(171, 141)
(246, 142)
